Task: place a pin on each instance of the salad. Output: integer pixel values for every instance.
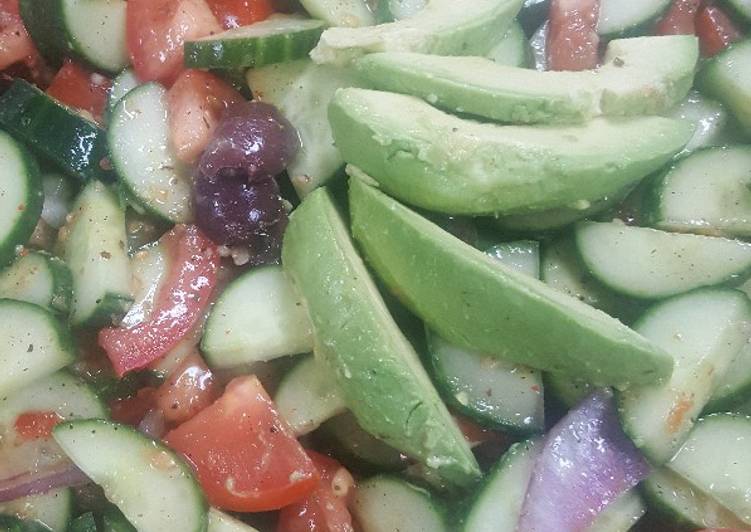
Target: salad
(375, 266)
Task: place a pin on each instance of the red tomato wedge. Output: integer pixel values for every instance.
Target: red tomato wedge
(15, 43)
(715, 30)
(157, 30)
(325, 509)
(131, 410)
(573, 42)
(81, 89)
(245, 456)
(179, 304)
(36, 425)
(234, 13)
(679, 19)
(189, 389)
(195, 104)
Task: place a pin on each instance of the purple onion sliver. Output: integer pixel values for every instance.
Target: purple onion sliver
(153, 424)
(41, 482)
(586, 463)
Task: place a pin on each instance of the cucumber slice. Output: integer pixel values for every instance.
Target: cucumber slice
(566, 390)
(150, 484)
(125, 82)
(498, 503)
(741, 8)
(645, 75)
(95, 251)
(221, 522)
(348, 13)
(734, 387)
(92, 31)
(52, 510)
(513, 49)
(153, 179)
(113, 520)
(727, 77)
(704, 331)
(693, 196)
(620, 515)
(20, 196)
(303, 90)
(629, 17)
(277, 39)
(34, 344)
(274, 325)
(676, 500)
(443, 27)
(39, 278)
(148, 267)
(399, 9)
(385, 504)
(58, 133)
(716, 459)
(83, 523)
(59, 194)
(307, 396)
(650, 264)
(708, 117)
(523, 255)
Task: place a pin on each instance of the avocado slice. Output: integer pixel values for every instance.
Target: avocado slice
(376, 368)
(645, 75)
(444, 27)
(447, 164)
(478, 303)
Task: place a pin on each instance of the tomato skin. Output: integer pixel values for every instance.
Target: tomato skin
(15, 43)
(156, 31)
(81, 89)
(324, 509)
(572, 42)
(131, 410)
(36, 425)
(234, 13)
(245, 456)
(715, 30)
(195, 104)
(189, 389)
(179, 305)
(679, 19)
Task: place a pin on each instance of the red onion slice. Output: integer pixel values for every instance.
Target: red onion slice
(153, 424)
(38, 482)
(585, 464)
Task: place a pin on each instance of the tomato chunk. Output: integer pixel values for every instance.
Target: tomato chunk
(325, 509)
(234, 13)
(573, 42)
(679, 19)
(245, 456)
(189, 389)
(131, 410)
(36, 425)
(15, 43)
(78, 87)
(179, 305)
(715, 30)
(195, 104)
(157, 30)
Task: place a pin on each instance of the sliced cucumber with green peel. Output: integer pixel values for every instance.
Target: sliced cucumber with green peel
(21, 196)
(95, 250)
(83, 523)
(741, 8)
(734, 387)
(443, 27)
(501, 311)
(308, 395)
(649, 264)
(498, 503)
(672, 497)
(568, 391)
(708, 116)
(447, 164)
(152, 179)
(92, 31)
(150, 484)
(274, 324)
(35, 344)
(513, 49)
(52, 510)
(39, 278)
(727, 77)
(56, 132)
(704, 331)
(221, 522)
(149, 266)
(59, 193)
(277, 39)
(376, 368)
(347, 13)
(620, 515)
(646, 75)
(692, 196)
(524, 255)
(716, 459)
(399, 9)
(302, 90)
(125, 82)
(629, 17)
(385, 504)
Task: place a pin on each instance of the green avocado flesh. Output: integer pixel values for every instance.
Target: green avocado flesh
(376, 368)
(478, 303)
(645, 75)
(447, 164)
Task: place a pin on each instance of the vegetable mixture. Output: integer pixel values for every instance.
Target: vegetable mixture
(375, 266)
